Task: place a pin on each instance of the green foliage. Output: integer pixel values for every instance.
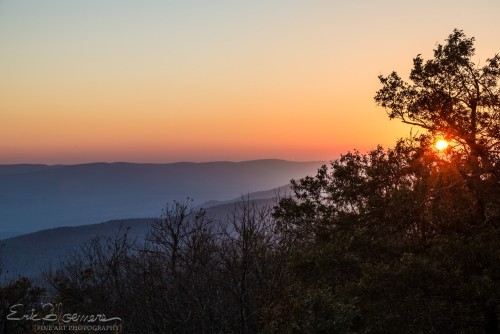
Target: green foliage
(452, 97)
(315, 310)
(406, 238)
(390, 234)
(448, 288)
(449, 95)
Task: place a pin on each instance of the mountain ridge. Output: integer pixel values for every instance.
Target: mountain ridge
(32, 253)
(36, 197)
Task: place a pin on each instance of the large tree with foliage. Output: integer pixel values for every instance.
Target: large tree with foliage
(404, 240)
(452, 97)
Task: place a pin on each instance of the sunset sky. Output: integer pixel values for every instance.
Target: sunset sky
(165, 81)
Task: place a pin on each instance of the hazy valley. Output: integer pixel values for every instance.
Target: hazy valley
(53, 210)
(36, 197)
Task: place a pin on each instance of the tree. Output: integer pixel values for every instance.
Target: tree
(253, 264)
(452, 97)
(182, 271)
(344, 218)
(95, 279)
(383, 244)
(405, 239)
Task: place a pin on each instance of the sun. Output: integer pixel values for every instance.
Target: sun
(441, 144)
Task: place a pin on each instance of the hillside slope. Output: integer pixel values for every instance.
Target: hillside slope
(30, 254)
(40, 197)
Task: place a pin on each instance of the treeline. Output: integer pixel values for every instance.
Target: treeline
(192, 274)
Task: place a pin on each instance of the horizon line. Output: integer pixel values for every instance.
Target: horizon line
(161, 163)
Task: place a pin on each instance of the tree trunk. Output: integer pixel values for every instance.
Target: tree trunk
(479, 216)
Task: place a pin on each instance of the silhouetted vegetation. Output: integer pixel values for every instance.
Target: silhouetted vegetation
(399, 240)
(405, 240)
(193, 275)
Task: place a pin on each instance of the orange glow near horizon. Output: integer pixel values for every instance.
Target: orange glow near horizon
(170, 81)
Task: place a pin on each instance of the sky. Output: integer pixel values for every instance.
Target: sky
(166, 81)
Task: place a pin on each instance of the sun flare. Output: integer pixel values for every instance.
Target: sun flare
(441, 144)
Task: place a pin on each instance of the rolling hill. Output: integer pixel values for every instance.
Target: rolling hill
(36, 197)
(30, 254)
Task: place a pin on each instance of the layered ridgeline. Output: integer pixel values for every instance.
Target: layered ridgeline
(33, 253)
(36, 197)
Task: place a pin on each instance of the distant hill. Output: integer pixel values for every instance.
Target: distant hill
(35, 197)
(24, 168)
(267, 194)
(30, 254)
